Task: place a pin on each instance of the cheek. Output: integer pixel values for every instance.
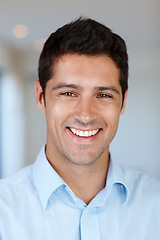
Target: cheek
(112, 113)
(56, 115)
(111, 117)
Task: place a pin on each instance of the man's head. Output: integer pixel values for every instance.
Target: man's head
(83, 72)
(87, 37)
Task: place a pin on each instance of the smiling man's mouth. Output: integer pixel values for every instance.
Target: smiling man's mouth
(86, 133)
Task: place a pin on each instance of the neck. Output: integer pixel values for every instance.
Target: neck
(84, 180)
(87, 183)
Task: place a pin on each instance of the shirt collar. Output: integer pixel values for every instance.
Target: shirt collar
(45, 178)
(116, 176)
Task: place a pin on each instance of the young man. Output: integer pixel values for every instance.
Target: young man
(75, 190)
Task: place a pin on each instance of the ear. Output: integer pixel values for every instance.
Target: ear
(39, 96)
(124, 102)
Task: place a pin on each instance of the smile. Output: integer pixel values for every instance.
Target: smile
(82, 133)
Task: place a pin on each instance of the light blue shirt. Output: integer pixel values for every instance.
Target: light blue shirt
(36, 204)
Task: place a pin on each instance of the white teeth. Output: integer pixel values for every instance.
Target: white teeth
(84, 133)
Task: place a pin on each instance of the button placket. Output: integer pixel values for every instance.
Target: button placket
(89, 225)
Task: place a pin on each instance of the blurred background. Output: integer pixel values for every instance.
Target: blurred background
(24, 26)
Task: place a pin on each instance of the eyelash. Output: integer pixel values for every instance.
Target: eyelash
(104, 95)
(72, 94)
(68, 94)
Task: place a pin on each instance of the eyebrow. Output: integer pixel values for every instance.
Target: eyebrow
(77, 87)
(64, 85)
(108, 88)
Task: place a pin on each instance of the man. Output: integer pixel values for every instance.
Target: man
(75, 190)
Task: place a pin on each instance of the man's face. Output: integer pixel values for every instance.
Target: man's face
(83, 102)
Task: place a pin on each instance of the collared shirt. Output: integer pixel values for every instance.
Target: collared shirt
(36, 204)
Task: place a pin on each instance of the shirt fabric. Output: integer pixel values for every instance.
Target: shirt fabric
(36, 204)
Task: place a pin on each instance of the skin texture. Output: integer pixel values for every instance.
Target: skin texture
(83, 94)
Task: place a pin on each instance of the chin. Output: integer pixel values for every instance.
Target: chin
(83, 160)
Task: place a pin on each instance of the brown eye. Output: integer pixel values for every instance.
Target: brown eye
(104, 95)
(69, 94)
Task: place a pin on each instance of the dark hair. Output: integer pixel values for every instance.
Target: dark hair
(83, 36)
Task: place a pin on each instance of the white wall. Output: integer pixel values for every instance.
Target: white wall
(138, 139)
(12, 126)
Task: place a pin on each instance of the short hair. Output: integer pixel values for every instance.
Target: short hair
(88, 37)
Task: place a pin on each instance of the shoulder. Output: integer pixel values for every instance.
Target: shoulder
(17, 182)
(141, 185)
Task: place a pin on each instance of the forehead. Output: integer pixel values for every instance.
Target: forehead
(84, 69)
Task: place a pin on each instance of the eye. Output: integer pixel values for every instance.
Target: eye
(68, 94)
(104, 95)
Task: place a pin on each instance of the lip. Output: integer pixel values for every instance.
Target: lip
(83, 135)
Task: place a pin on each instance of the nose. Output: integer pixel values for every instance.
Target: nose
(86, 111)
